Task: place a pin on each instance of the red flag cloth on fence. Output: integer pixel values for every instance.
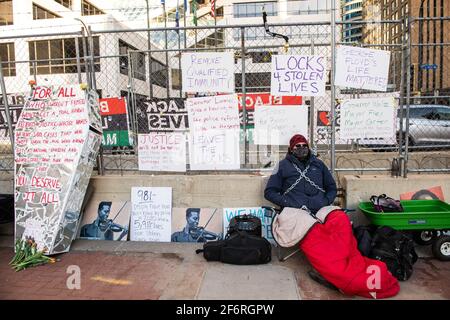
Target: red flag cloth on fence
(213, 8)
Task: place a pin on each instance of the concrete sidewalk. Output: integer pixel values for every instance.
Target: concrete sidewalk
(139, 270)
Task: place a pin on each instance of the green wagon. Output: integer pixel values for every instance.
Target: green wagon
(427, 219)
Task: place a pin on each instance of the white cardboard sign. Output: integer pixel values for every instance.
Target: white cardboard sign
(207, 72)
(162, 152)
(362, 68)
(275, 125)
(368, 118)
(213, 113)
(151, 214)
(214, 150)
(297, 75)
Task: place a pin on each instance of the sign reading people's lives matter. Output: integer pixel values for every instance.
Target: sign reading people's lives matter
(296, 75)
(55, 152)
(362, 68)
(151, 214)
(207, 72)
(368, 118)
(214, 133)
(162, 151)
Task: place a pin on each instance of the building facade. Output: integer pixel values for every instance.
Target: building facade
(28, 54)
(428, 34)
(351, 12)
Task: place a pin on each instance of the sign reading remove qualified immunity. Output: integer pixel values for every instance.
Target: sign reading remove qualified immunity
(362, 68)
(298, 75)
(208, 72)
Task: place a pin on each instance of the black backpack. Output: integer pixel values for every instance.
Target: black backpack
(242, 245)
(394, 248)
(247, 223)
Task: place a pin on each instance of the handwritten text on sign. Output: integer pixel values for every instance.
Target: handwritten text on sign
(162, 152)
(362, 68)
(368, 118)
(276, 125)
(208, 72)
(295, 75)
(214, 150)
(213, 113)
(151, 215)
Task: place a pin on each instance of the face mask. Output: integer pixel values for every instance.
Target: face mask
(301, 153)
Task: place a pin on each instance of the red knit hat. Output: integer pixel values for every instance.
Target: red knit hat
(298, 138)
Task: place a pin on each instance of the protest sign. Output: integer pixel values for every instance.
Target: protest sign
(151, 210)
(55, 152)
(266, 221)
(161, 115)
(276, 125)
(162, 151)
(362, 68)
(196, 224)
(207, 72)
(214, 150)
(368, 118)
(213, 113)
(296, 75)
(114, 122)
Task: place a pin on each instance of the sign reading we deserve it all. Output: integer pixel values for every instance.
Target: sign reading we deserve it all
(362, 68)
(207, 72)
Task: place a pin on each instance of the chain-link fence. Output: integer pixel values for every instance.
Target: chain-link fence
(144, 67)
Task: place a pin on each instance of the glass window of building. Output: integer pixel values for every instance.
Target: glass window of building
(42, 13)
(254, 9)
(159, 73)
(88, 9)
(137, 60)
(7, 56)
(65, 3)
(6, 12)
(59, 56)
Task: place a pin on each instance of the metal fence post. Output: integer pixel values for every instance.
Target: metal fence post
(408, 97)
(333, 88)
(311, 112)
(77, 52)
(5, 101)
(402, 93)
(244, 91)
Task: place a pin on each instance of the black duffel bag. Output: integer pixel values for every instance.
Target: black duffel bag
(238, 248)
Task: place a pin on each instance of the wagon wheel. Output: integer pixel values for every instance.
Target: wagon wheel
(424, 237)
(441, 248)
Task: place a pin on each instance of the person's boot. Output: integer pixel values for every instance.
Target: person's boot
(313, 274)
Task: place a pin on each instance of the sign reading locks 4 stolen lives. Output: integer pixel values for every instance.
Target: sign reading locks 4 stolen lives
(275, 125)
(368, 118)
(162, 151)
(151, 214)
(207, 72)
(296, 75)
(362, 68)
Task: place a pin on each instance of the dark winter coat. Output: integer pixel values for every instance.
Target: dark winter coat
(304, 193)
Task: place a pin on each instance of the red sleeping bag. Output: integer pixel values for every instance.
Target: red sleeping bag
(332, 250)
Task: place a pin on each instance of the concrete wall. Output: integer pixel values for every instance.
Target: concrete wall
(246, 190)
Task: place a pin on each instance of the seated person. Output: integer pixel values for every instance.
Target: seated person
(301, 180)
